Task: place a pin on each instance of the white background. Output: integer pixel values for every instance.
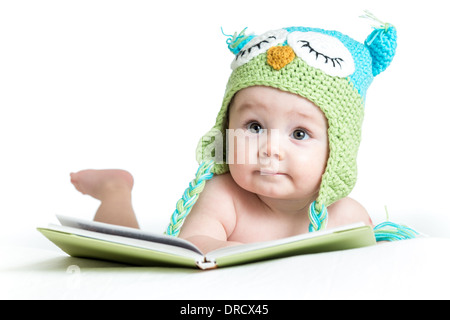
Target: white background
(135, 84)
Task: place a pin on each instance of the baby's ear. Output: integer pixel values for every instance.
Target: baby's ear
(382, 43)
(237, 41)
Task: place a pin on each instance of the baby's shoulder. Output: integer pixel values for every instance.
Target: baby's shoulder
(221, 187)
(347, 211)
(213, 213)
(218, 194)
(222, 181)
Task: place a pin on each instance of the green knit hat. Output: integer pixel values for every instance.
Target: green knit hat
(328, 68)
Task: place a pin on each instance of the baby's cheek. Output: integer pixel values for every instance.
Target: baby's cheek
(243, 176)
(307, 172)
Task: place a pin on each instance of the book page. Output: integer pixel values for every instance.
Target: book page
(127, 232)
(266, 244)
(152, 247)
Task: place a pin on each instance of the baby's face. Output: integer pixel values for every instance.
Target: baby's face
(277, 143)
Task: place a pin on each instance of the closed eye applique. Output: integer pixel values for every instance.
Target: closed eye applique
(259, 45)
(323, 52)
(334, 61)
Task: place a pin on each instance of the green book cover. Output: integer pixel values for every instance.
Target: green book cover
(95, 240)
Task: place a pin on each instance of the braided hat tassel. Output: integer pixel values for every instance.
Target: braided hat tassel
(189, 198)
(318, 221)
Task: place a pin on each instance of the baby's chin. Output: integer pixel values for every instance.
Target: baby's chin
(269, 183)
(281, 187)
(272, 186)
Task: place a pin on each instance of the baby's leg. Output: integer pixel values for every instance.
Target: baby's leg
(113, 189)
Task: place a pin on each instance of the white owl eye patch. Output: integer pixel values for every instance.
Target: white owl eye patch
(335, 61)
(323, 52)
(258, 46)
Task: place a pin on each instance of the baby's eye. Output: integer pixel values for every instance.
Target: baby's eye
(254, 127)
(322, 51)
(300, 134)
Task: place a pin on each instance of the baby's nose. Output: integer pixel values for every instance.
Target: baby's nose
(279, 57)
(270, 147)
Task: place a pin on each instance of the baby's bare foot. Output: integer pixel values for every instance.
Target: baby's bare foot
(102, 183)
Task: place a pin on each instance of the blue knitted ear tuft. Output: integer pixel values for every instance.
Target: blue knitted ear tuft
(382, 44)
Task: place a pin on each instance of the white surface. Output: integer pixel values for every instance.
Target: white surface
(413, 269)
(134, 85)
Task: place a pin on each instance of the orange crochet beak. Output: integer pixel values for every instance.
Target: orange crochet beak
(279, 57)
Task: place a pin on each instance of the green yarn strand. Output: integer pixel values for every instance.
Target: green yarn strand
(390, 231)
(376, 23)
(189, 198)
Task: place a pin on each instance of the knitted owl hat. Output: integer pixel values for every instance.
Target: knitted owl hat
(328, 68)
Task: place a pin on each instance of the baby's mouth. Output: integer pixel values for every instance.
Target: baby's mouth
(268, 172)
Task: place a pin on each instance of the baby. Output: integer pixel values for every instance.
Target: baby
(281, 158)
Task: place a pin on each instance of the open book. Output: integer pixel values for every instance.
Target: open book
(90, 239)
